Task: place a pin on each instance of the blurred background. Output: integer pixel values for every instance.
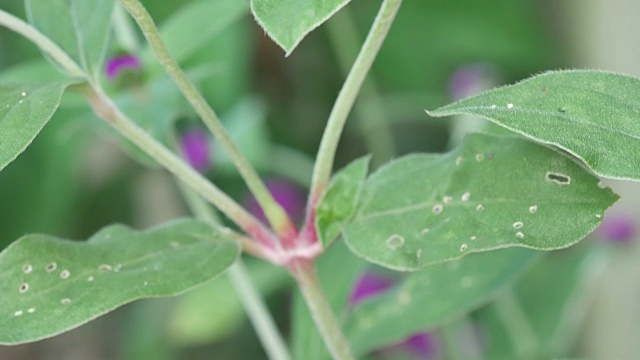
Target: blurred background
(79, 176)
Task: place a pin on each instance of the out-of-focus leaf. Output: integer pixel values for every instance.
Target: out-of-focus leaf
(339, 202)
(287, 22)
(553, 297)
(24, 110)
(434, 296)
(594, 115)
(49, 285)
(79, 27)
(490, 193)
(196, 24)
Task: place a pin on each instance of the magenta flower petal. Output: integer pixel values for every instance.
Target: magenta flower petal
(288, 195)
(423, 345)
(195, 148)
(618, 228)
(117, 64)
(368, 285)
(471, 79)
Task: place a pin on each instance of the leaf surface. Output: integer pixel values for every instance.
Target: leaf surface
(490, 193)
(24, 111)
(287, 22)
(50, 285)
(339, 202)
(594, 115)
(79, 27)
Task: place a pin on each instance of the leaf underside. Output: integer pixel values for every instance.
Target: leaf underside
(594, 115)
(490, 193)
(50, 285)
(287, 22)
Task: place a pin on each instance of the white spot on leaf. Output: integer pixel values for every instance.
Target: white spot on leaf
(458, 160)
(479, 157)
(65, 274)
(424, 231)
(464, 247)
(447, 199)
(518, 224)
(18, 313)
(27, 268)
(394, 241)
(493, 106)
(31, 310)
(90, 278)
(175, 244)
(437, 208)
(51, 267)
(105, 267)
(509, 106)
(560, 179)
(466, 196)
(520, 235)
(24, 94)
(65, 301)
(480, 207)
(533, 209)
(473, 237)
(23, 288)
(404, 297)
(419, 253)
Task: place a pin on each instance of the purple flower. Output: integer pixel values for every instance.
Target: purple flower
(617, 228)
(423, 345)
(368, 285)
(194, 145)
(471, 79)
(117, 64)
(287, 194)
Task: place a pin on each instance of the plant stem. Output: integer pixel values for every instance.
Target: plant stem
(277, 217)
(347, 96)
(44, 43)
(305, 274)
(106, 109)
(460, 340)
(249, 296)
(123, 30)
(523, 338)
(369, 111)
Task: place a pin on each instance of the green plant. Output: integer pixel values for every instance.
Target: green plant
(421, 212)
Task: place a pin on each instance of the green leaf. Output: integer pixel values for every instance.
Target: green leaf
(434, 296)
(338, 204)
(593, 115)
(24, 110)
(196, 24)
(79, 27)
(554, 317)
(490, 193)
(287, 22)
(49, 285)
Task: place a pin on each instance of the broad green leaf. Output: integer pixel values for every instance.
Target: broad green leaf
(24, 110)
(593, 115)
(79, 27)
(50, 285)
(287, 22)
(490, 193)
(196, 24)
(554, 317)
(434, 296)
(338, 204)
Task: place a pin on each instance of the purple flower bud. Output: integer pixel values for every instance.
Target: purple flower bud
(423, 345)
(471, 79)
(617, 228)
(288, 195)
(368, 285)
(194, 145)
(117, 64)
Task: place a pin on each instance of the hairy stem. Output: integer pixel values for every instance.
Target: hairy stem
(106, 109)
(305, 274)
(277, 217)
(369, 111)
(249, 296)
(44, 43)
(347, 96)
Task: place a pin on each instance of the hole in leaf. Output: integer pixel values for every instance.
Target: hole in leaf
(558, 178)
